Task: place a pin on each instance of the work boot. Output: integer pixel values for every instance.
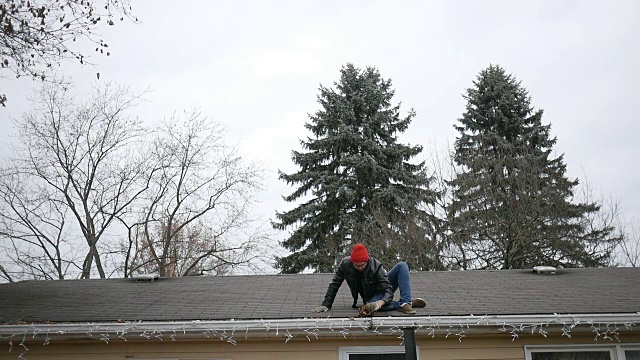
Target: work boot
(418, 303)
(406, 309)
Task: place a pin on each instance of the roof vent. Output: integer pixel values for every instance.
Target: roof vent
(544, 269)
(146, 277)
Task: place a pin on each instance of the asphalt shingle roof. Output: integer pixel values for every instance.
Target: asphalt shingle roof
(503, 292)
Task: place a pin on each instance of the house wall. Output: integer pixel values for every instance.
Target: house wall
(471, 347)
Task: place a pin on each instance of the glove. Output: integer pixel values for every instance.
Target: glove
(321, 309)
(371, 307)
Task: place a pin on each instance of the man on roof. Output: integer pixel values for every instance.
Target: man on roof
(366, 277)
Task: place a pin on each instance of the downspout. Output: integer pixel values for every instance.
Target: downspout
(410, 350)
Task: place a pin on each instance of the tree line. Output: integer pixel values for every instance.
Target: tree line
(500, 199)
(91, 190)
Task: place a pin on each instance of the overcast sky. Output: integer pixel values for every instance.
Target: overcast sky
(255, 66)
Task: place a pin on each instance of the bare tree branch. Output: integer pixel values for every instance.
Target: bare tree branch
(194, 217)
(37, 35)
(82, 157)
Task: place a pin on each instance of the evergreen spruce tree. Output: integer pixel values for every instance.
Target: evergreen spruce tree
(353, 172)
(513, 204)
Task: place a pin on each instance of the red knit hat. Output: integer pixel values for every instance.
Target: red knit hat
(359, 253)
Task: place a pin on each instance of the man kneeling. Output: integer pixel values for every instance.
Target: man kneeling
(366, 277)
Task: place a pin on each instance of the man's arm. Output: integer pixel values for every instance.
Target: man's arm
(334, 285)
(385, 284)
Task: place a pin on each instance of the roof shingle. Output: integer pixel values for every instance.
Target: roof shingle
(500, 292)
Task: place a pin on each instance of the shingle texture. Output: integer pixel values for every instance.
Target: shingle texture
(517, 292)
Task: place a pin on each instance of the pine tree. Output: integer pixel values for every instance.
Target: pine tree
(513, 204)
(352, 170)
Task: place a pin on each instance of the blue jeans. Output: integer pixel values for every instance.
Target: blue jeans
(399, 279)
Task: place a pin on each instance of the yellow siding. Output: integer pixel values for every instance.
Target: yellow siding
(471, 347)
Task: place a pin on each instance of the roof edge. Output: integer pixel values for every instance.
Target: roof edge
(602, 325)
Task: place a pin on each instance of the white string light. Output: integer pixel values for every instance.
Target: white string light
(314, 329)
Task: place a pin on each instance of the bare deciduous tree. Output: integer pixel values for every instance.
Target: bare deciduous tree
(35, 230)
(86, 173)
(629, 249)
(443, 168)
(627, 232)
(603, 229)
(80, 164)
(36, 35)
(195, 218)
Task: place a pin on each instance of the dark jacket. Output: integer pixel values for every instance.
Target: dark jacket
(374, 281)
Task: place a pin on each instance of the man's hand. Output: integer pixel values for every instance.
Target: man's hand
(371, 307)
(321, 309)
